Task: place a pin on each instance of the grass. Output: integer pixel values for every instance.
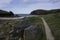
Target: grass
(37, 20)
(6, 26)
(53, 21)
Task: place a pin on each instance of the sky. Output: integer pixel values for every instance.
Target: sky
(26, 6)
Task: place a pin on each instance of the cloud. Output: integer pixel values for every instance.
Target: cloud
(25, 1)
(54, 1)
(35, 1)
(4, 3)
(41, 1)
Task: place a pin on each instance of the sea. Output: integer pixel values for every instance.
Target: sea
(25, 15)
(22, 15)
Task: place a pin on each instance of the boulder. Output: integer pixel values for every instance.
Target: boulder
(26, 31)
(18, 30)
(33, 32)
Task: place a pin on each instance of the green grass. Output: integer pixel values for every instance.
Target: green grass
(7, 25)
(37, 20)
(53, 21)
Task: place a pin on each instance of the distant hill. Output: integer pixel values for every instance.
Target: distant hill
(44, 12)
(6, 13)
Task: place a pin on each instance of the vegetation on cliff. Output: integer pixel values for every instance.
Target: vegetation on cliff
(44, 12)
(6, 13)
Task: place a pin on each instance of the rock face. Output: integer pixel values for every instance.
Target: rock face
(33, 32)
(26, 31)
(18, 31)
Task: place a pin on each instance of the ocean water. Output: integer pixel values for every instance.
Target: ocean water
(23, 15)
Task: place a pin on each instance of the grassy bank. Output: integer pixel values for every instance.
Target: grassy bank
(37, 20)
(53, 21)
(7, 25)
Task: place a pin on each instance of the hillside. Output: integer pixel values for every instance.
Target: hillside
(44, 12)
(9, 27)
(53, 21)
(6, 13)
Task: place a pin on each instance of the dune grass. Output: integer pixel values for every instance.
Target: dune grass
(53, 21)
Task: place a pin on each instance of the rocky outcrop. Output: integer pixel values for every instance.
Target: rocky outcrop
(6, 13)
(18, 30)
(26, 31)
(33, 32)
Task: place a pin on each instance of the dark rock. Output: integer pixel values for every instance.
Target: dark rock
(23, 24)
(18, 30)
(6, 13)
(33, 32)
(26, 31)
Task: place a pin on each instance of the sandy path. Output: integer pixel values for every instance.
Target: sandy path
(49, 35)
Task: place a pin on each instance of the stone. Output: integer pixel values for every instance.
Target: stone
(33, 32)
(26, 31)
(18, 30)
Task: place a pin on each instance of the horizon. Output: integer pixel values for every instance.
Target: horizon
(26, 6)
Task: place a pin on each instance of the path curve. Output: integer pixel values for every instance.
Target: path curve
(49, 35)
